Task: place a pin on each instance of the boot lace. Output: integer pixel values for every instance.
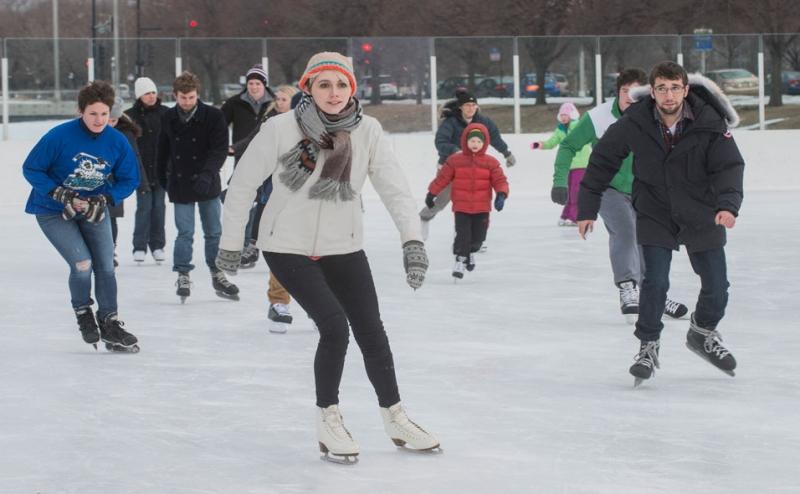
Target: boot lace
(712, 343)
(221, 279)
(648, 355)
(183, 281)
(628, 293)
(672, 306)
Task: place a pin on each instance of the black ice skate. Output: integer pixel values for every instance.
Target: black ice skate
(223, 287)
(115, 337)
(279, 318)
(470, 262)
(707, 344)
(674, 309)
(184, 285)
(249, 256)
(88, 326)
(646, 362)
(458, 268)
(629, 300)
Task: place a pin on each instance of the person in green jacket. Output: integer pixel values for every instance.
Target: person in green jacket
(568, 116)
(616, 207)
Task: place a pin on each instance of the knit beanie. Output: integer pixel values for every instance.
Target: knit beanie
(257, 72)
(144, 85)
(569, 108)
(329, 60)
(476, 133)
(116, 110)
(464, 96)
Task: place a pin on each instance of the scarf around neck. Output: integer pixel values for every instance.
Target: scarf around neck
(322, 131)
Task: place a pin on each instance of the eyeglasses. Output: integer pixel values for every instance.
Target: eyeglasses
(672, 89)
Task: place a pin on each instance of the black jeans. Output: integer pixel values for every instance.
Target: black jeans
(709, 265)
(335, 290)
(470, 232)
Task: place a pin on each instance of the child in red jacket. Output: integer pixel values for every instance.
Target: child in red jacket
(474, 174)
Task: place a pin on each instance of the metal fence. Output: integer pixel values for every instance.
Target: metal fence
(404, 79)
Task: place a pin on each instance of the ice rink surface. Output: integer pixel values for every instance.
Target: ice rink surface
(520, 369)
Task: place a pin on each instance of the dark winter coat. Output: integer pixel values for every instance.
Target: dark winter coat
(676, 193)
(149, 120)
(131, 131)
(241, 145)
(241, 115)
(192, 150)
(448, 136)
(473, 175)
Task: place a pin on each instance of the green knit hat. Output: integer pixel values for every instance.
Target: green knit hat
(476, 133)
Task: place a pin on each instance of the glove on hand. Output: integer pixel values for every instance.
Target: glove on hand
(510, 160)
(536, 145)
(430, 200)
(499, 201)
(96, 210)
(228, 260)
(415, 262)
(558, 195)
(65, 197)
(202, 183)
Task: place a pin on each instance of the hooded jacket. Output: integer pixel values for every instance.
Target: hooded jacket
(448, 136)
(473, 175)
(677, 192)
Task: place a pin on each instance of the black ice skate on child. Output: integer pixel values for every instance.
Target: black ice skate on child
(115, 337)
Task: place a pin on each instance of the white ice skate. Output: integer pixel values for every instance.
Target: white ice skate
(406, 434)
(159, 256)
(139, 255)
(459, 267)
(279, 318)
(334, 439)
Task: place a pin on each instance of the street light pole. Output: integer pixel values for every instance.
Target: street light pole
(56, 71)
(115, 64)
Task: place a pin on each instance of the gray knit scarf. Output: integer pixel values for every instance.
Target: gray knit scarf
(322, 131)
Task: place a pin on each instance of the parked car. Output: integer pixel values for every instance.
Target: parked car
(562, 83)
(790, 82)
(530, 88)
(390, 88)
(231, 89)
(734, 81)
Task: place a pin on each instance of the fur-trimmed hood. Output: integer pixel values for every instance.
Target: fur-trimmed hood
(705, 89)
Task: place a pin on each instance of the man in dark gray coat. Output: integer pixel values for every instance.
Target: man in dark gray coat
(687, 190)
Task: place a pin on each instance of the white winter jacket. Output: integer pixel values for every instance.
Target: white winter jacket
(292, 222)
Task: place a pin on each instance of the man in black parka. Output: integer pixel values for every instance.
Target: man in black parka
(687, 190)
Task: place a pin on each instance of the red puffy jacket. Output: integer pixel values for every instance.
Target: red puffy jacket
(473, 175)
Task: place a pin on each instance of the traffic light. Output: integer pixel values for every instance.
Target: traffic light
(366, 47)
(193, 23)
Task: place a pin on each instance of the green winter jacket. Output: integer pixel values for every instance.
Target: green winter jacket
(589, 129)
(581, 159)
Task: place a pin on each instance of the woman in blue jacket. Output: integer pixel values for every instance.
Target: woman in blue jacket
(68, 169)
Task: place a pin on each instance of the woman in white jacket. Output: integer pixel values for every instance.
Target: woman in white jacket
(311, 234)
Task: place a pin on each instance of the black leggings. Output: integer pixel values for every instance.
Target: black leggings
(334, 290)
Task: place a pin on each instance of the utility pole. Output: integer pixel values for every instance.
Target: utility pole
(115, 62)
(56, 70)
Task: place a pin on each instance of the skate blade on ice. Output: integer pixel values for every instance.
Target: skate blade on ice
(702, 356)
(338, 459)
(122, 349)
(278, 327)
(224, 295)
(433, 450)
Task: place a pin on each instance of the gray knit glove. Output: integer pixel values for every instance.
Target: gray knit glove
(510, 160)
(228, 260)
(415, 262)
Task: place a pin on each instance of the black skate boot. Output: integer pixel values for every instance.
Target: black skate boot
(115, 337)
(88, 326)
(184, 285)
(458, 268)
(646, 362)
(249, 256)
(707, 344)
(674, 309)
(279, 318)
(629, 300)
(223, 287)
(470, 262)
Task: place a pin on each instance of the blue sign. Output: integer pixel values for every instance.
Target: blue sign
(702, 43)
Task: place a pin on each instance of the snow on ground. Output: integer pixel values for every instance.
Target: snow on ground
(520, 369)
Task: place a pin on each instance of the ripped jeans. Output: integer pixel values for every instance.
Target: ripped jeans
(87, 247)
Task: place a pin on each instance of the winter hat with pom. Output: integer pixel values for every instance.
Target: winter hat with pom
(569, 109)
(144, 85)
(328, 60)
(257, 72)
